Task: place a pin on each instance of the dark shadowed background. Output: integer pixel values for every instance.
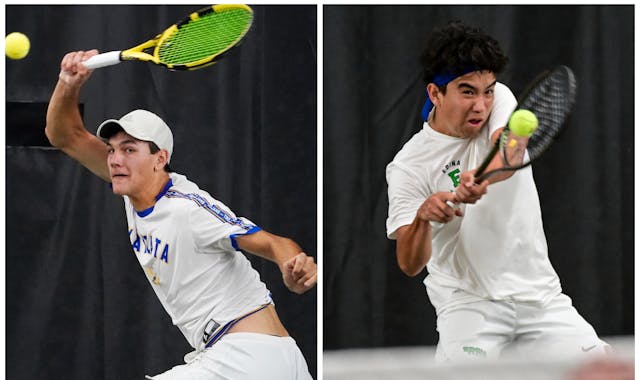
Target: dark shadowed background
(373, 94)
(78, 305)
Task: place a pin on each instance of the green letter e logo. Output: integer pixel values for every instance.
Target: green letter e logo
(455, 177)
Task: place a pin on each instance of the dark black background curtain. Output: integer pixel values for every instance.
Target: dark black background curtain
(78, 305)
(373, 94)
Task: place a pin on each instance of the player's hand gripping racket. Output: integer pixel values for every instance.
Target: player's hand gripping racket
(196, 41)
(550, 97)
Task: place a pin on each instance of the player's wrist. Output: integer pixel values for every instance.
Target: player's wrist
(70, 86)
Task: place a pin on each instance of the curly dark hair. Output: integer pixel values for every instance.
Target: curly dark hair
(456, 47)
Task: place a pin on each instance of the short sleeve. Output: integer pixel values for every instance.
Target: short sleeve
(405, 197)
(504, 103)
(214, 227)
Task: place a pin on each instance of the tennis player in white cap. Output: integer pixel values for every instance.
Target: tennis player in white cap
(187, 243)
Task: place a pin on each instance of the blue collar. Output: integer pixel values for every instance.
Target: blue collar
(161, 194)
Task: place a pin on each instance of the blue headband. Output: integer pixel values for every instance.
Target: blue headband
(442, 80)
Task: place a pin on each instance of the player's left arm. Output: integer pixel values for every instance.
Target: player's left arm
(299, 271)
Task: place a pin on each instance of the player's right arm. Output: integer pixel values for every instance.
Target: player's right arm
(413, 245)
(65, 128)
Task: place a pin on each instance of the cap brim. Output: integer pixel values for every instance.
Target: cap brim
(108, 128)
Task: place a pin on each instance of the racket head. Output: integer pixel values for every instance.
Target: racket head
(550, 97)
(198, 40)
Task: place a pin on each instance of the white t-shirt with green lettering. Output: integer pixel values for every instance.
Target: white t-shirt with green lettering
(498, 249)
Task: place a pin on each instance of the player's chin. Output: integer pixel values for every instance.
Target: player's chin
(118, 190)
(472, 130)
(118, 186)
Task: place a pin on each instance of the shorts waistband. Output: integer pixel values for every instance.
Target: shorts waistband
(225, 329)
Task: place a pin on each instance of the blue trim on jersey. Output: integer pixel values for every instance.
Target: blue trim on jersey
(145, 212)
(212, 208)
(161, 194)
(234, 243)
(164, 190)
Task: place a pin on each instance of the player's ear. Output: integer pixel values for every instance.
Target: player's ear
(161, 160)
(433, 91)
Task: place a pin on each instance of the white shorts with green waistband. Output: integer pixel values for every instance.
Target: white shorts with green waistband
(491, 329)
(243, 356)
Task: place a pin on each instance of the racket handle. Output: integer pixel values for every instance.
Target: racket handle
(102, 60)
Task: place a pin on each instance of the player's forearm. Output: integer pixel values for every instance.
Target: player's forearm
(63, 116)
(272, 247)
(497, 163)
(413, 247)
(282, 250)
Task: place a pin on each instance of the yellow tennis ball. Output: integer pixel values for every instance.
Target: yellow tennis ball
(523, 123)
(16, 45)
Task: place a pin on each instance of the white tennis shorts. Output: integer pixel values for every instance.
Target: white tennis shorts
(243, 356)
(491, 329)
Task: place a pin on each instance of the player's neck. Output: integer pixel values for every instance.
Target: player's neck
(438, 125)
(147, 198)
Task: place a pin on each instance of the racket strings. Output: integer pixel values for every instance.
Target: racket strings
(551, 102)
(204, 37)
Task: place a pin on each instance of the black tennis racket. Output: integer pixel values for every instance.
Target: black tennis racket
(195, 42)
(550, 97)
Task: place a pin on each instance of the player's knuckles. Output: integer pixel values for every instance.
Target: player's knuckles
(298, 267)
(69, 56)
(76, 58)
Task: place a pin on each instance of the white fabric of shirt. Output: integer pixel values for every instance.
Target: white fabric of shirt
(498, 249)
(185, 244)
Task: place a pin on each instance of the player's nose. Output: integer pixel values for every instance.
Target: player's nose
(479, 106)
(114, 159)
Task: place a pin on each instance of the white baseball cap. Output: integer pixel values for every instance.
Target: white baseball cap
(141, 124)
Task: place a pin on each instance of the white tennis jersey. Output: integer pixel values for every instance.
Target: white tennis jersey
(186, 245)
(498, 249)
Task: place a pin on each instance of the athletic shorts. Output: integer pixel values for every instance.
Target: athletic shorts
(492, 329)
(243, 356)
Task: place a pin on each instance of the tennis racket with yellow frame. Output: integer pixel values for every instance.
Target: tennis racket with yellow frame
(197, 41)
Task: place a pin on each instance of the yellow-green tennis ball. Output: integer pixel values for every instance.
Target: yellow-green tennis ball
(16, 45)
(523, 123)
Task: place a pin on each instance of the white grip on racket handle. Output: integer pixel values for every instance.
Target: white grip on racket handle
(102, 60)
